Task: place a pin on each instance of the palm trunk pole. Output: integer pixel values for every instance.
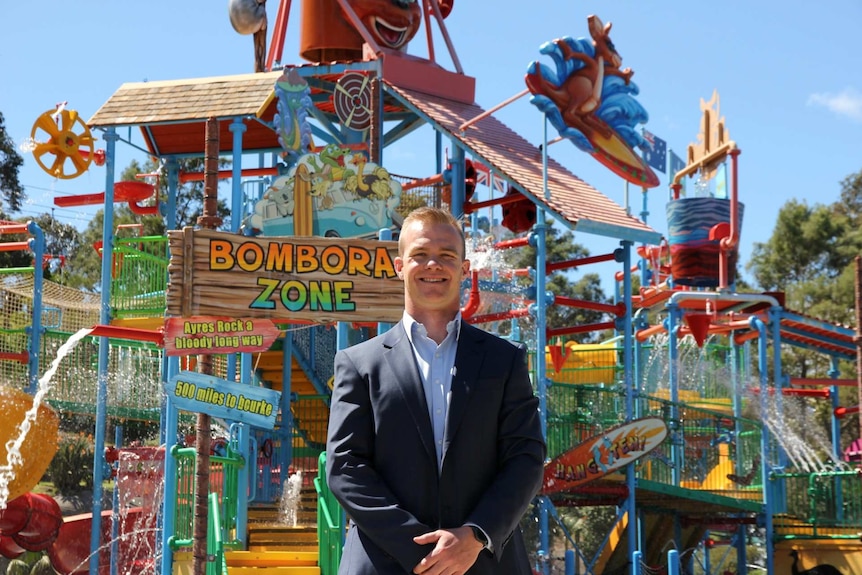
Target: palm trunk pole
(209, 220)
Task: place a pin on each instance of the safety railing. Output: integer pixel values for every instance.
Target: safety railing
(330, 519)
(819, 504)
(139, 277)
(215, 544)
(708, 449)
(223, 483)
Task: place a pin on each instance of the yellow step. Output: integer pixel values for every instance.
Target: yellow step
(271, 558)
(257, 562)
(284, 570)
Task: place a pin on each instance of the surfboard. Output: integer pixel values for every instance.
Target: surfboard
(602, 454)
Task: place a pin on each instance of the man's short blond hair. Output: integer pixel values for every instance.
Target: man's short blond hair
(431, 215)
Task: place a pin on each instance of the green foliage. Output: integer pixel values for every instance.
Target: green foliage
(561, 246)
(11, 189)
(810, 257)
(71, 469)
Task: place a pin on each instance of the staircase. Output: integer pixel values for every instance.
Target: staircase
(273, 546)
(310, 416)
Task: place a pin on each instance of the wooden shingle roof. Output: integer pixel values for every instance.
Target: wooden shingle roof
(172, 113)
(520, 162)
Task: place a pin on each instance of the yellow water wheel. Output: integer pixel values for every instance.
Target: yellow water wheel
(63, 143)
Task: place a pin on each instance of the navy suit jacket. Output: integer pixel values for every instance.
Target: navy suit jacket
(381, 463)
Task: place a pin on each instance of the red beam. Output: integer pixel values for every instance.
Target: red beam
(578, 262)
(809, 381)
(13, 229)
(580, 328)
(509, 199)
(224, 174)
(131, 333)
(488, 318)
(14, 246)
(618, 309)
(822, 393)
(21, 357)
(513, 243)
(842, 411)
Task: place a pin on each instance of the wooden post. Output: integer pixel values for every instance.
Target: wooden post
(209, 219)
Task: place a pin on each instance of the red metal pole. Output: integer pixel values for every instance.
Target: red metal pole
(551, 267)
(618, 309)
(817, 381)
(553, 332)
(276, 48)
(502, 200)
(500, 316)
(514, 243)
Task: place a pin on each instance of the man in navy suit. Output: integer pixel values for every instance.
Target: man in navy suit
(435, 445)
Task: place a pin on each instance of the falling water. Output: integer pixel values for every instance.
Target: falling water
(290, 497)
(13, 447)
(805, 445)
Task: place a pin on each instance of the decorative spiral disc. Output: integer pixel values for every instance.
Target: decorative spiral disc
(64, 136)
(352, 100)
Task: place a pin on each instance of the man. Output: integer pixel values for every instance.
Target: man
(435, 446)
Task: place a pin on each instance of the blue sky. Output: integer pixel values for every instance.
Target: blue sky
(786, 72)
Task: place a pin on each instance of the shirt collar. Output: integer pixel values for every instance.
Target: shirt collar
(410, 324)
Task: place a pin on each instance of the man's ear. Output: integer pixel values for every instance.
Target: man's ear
(465, 267)
(399, 266)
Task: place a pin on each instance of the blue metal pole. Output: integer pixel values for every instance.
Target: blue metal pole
(624, 253)
(237, 128)
(769, 493)
(673, 319)
(169, 502)
(169, 424)
(110, 138)
(459, 188)
(538, 239)
(37, 245)
(673, 562)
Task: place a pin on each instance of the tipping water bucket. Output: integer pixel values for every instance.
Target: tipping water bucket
(326, 35)
(694, 256)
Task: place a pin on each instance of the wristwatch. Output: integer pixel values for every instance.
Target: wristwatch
(480, 536)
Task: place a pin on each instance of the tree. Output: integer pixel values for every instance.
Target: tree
(809, 257)
(86, 262)
(560, 246)
(11, 189)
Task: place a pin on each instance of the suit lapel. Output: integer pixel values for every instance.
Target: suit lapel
(405, 375)
(468, 361)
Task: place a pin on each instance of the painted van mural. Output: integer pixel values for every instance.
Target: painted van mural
(334, 193)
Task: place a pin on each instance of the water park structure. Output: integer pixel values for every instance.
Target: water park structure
(677, 421)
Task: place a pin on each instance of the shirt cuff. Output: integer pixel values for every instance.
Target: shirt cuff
(489, 545)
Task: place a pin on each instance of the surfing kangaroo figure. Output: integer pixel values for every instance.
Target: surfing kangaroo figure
(580, 95)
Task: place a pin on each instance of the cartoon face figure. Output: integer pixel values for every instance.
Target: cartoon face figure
(393, 23)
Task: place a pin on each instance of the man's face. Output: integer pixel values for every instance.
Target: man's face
(393, 23)
(432, 266)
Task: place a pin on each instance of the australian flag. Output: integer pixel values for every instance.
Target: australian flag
(676, 164)
(655, 152)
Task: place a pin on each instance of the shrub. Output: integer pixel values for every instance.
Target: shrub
(71, 470)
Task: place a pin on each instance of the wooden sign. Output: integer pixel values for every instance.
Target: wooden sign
(603, 454)
(216, 334)
(217, 397)
(309, 279)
